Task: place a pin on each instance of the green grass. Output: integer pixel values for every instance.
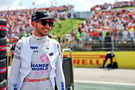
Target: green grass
(126, 7)
(67, 26)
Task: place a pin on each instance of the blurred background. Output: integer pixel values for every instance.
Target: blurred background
(89, 28)
(81, 24)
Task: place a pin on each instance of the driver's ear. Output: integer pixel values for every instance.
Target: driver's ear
(33, 23)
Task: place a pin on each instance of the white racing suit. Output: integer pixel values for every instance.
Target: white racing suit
(34, 59)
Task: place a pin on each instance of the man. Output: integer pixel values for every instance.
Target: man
(109, 55)
(108, 42)
(37, 62)
(14, 40)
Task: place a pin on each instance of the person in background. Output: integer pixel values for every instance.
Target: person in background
(108, 42)
(37, 62)
(109, 55)
(14, 40)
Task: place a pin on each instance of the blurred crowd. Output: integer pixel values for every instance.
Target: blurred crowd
(115, 5)
(118, 23)
(18, 21)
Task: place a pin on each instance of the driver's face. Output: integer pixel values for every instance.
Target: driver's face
(42, 28)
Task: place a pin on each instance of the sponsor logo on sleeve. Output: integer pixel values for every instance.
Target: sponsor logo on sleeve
(62, 85)
(15, 86)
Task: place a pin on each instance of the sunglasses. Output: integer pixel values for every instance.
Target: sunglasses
(44, 23)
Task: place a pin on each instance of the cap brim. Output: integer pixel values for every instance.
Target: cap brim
(51, 19)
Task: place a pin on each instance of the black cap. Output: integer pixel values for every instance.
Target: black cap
(39, 15)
